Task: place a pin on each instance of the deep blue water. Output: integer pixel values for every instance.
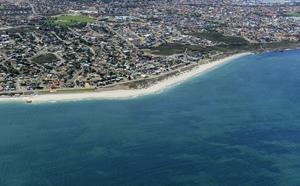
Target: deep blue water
(236, 125)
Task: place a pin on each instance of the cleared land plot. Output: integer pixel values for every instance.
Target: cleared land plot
(69, 20)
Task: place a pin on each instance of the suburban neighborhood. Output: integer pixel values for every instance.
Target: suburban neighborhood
(56, 45)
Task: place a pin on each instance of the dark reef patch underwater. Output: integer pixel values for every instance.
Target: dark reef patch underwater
(236, 125)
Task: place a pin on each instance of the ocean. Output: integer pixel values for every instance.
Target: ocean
(236, 125)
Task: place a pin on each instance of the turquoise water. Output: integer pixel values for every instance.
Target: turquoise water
(236, 125)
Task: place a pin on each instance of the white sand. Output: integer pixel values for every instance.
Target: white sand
(131, 93)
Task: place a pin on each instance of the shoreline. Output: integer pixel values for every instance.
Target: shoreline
(121, 94)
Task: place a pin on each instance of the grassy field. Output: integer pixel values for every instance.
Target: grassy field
(69, 20)
(44, 58)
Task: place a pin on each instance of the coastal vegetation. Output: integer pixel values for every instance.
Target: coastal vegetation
(176, 48)
(218, 37)
(169, 49)
(66, 91)
(226, 44)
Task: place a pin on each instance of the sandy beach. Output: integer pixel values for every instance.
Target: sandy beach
(131, 93)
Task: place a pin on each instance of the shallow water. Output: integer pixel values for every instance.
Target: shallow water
(236, 125)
